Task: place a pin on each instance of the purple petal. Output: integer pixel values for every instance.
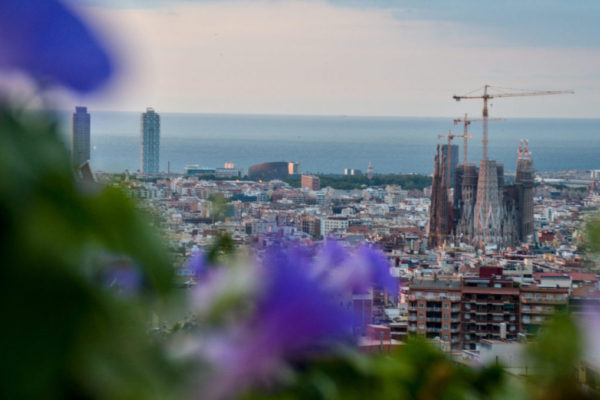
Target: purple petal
(197, 265)
(333, 254)
(47, 41)
(296, 312)
(589, 321)
(379, 268)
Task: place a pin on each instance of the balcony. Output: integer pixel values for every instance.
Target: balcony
(543, 301)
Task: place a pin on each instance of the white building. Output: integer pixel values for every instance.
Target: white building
(331, 224)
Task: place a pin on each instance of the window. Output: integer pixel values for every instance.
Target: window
(550, 296)
(446, 316)
(421, 326)
(421, 315)
(538, 296)
(527, 296)
(421, 305)
(445, 337)
(446, 305)
(445, 326)
(467, 316)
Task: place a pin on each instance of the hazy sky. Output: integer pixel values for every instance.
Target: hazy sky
(353, 57)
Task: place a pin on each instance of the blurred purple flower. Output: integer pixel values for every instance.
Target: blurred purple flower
(378, 268)
(357, 272)
(589, 322)
(295, 311)
(294, 317)
(47, 41)
(332, 254)
(197, 265)
(300, 308)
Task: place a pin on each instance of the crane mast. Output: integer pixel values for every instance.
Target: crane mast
(487, 226)
(486, 96)
(466, 122)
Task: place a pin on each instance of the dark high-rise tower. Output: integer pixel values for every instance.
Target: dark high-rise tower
(525, 177)
(150, 142)
(440, 209)
(453, 159)
(80, 136)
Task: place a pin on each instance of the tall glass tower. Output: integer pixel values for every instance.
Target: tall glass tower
(80, 136)
(150, 142)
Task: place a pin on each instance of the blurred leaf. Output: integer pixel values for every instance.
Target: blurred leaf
(65, 334)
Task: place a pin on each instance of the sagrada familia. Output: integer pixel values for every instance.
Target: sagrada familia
(483, 210)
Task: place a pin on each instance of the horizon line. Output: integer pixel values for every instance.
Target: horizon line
(309, 115)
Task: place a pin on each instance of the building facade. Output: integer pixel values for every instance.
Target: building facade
(434, 310)
(311, 182)
(150, 142)
(490, 310)
(453, 159)
(484, 211)
(333, 224)
(464, 312)
(538, 303)
(80, 136)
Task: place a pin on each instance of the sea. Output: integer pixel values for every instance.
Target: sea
(329, 144)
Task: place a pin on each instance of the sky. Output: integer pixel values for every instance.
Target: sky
(348, 57)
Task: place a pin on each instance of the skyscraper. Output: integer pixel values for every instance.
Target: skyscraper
(453, 160)
(150, 142)
(80, 136)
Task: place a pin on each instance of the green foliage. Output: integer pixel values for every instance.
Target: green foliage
(222, 246)
(555, 357)
(218, 206)
(408, 182)
(65, 333)
(416, 371)
(593, 235)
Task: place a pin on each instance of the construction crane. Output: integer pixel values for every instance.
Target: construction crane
(486, 96)
(466, 122)
(450, 136)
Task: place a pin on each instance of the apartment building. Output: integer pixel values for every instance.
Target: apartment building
(461, 313)
(434, 310)
(490, 310)
(538, 303)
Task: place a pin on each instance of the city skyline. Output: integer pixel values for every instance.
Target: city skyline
(350, 58)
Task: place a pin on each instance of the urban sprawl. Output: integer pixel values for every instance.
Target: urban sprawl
(482, 256)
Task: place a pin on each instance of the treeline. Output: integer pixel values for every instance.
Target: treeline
(349, 182)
